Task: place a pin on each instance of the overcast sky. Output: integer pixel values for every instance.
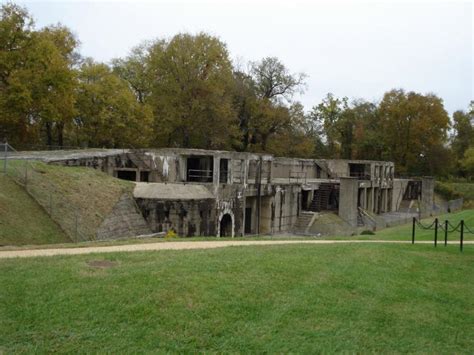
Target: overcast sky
(353, 48)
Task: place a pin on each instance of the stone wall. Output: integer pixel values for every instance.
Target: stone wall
(124, 221)
(186, 217)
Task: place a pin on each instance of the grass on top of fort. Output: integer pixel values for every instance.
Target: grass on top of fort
(298, 298)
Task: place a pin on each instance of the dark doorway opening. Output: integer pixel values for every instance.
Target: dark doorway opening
(360, 171)
(226, 226)
(248, 220)
(145, 176)
(305, 203)
(129, 175)
(223, 171)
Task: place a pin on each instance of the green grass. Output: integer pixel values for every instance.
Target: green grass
(76, 196)
(22, 220)
(403, 232)
(300, 299)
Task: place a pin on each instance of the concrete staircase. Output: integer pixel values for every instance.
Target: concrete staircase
(304, 222)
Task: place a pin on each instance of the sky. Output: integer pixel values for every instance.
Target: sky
(358, 49)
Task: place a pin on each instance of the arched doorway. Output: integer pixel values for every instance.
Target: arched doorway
(226, 226)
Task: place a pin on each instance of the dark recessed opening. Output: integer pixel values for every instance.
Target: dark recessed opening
(200, 168)
(145, 176)
(223, 171)
(127, 175)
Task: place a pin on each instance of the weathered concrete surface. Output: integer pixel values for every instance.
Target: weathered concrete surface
(124, 221)
(164, 191)
(427, 194)
(54, 155)
(349, 189)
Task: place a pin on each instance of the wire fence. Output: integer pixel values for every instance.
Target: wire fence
(446, 227)
(33, 177)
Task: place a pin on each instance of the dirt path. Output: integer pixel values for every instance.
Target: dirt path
(182, 246)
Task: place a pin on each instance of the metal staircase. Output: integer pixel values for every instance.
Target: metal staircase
(321, 199)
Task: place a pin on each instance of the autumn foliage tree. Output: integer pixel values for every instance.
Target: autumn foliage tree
(184, 91)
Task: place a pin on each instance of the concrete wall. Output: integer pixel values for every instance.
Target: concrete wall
(399, 187)
(125, 220)
(427, 194)
(348, 191)
(187, 218)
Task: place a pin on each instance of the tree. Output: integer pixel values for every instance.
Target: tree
(463, 125)
(53, 81)
(328, 116)
(274, 81)
(468, 161)
(108, 112)
(191, 93)
(36, 78)
(296, 139)
(16, 27)
(135, 69)
(413, 127)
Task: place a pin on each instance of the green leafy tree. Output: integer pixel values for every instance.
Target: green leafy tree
(37, 79)
(108, 112)
(414, 128)
(16, 27)
(191, 93)
(468, 162)
(135, 69)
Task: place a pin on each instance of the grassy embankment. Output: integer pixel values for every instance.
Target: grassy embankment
(22, 220)
(73, 196)
(300, 298)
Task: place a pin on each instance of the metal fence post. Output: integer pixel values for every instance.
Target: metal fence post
(436, 233)
(462, 235)
(413, 231)
(445, 232)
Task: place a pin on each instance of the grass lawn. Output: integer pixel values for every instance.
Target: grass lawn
(22, 220)
(403, 232)
(299, 298)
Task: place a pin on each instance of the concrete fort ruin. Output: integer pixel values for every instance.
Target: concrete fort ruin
(221, 193)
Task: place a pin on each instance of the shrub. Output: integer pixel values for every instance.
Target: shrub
(446, 191)
(367, 232)
(171, 234)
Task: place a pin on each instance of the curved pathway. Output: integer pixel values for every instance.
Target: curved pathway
(185, 246)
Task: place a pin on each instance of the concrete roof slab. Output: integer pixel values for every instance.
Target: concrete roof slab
(162, 191)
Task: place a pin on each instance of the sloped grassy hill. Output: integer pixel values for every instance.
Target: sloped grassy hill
(77, 199)
(22, 220)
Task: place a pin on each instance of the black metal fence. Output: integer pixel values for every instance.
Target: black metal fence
(446, 227)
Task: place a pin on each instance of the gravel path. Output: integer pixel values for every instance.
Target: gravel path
(184, 246)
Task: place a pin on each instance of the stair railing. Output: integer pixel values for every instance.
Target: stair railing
(364, 213)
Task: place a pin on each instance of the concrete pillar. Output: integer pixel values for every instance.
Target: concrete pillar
(427, 193)
(364, 203)
(349, 188)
